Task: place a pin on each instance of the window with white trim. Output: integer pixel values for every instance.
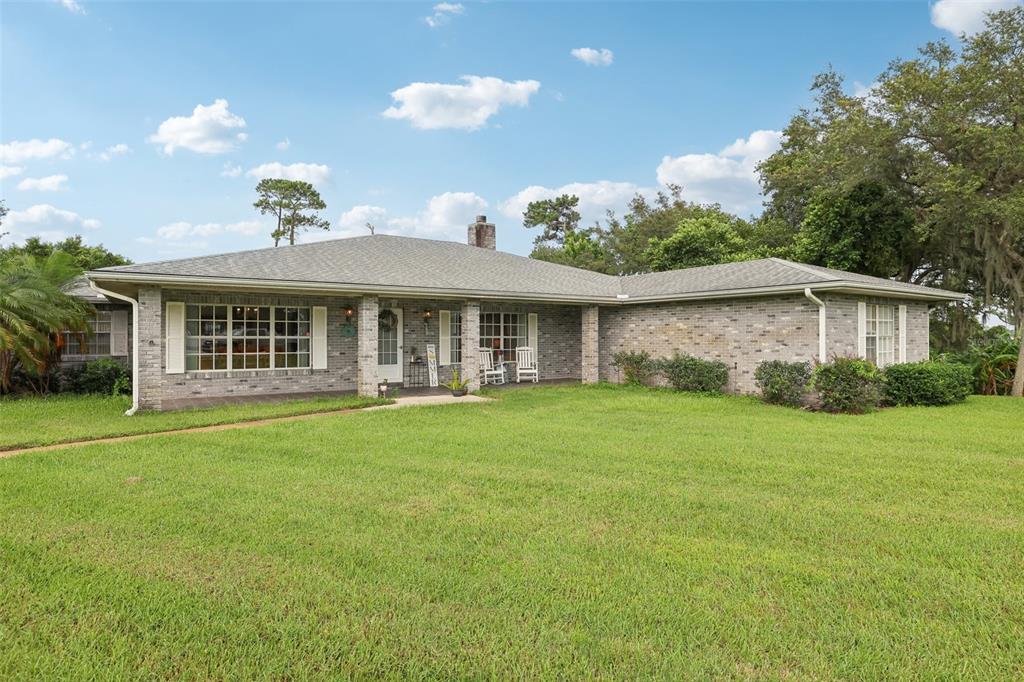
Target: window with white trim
(880, 334)
(206, 337)
(221, 337)
(94, 342)
(455, 338)
(503, 333)
(291, 337)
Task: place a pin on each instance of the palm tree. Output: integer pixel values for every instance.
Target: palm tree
(34, 312)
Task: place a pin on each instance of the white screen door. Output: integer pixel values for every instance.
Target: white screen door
(389, 349)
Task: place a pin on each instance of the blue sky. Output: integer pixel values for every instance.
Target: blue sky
(145, 126)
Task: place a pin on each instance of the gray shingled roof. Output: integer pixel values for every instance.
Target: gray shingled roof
(424, 264)
(79, 288)
(386, 260)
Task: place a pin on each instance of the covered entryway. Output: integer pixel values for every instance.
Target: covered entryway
(389, 345)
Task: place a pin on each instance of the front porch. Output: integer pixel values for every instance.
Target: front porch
(412, 343)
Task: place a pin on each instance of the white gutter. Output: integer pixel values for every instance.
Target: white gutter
(822, 326)
(135, 342)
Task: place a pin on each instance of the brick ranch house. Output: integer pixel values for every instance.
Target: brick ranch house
(343, 315)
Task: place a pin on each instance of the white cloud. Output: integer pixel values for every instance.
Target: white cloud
(110, 152)
(443, 12)
(51, 183)
(592, 57)
(444, 217)
(180, 231)
(72, 6)
(230, 170)
(17, 151)
(353, 221)
(313, 173)
(596, 198)
(449, 213)
(42, 217)
(209, 130)
(467, 106)
(728, 178)
(966, 16)
(9, 171)
(284, 144)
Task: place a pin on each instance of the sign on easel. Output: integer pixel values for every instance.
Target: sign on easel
(432, 364)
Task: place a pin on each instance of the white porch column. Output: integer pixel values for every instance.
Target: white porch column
(366, 332)
(590, 373)
(471, 344)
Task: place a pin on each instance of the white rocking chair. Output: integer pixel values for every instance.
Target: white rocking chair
(489, 374)
(526, 364)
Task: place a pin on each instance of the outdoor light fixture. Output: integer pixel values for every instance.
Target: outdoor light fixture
(427, 315)
(348, 313)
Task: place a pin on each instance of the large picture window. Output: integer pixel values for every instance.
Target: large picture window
(880, 335)
(95, 342)
(220, 337)
(503, 333)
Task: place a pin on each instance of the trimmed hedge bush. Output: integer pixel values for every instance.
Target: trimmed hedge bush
(783, 383)
(105, 376)
(637, 368)
(848, 385)
(687, 373)
(927, 383)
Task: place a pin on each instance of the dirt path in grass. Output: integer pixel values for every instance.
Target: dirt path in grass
(414, 401)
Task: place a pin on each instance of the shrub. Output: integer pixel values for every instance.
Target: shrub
(848, 385)
(992, 358)
(927, 383)
(637, 368)
(783, 383)
(687, 373)
(101, 376)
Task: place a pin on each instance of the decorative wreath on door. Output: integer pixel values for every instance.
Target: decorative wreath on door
(387, 320)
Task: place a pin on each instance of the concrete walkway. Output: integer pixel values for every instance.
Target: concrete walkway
(412, 401)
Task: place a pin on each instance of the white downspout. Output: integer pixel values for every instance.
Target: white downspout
(822, 345)
(135, 342)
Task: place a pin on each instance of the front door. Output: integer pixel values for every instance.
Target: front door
(389, 346)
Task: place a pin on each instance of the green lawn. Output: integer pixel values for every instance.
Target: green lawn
(25, 422)
(556, 532)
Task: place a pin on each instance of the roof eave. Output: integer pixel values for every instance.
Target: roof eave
(336, 288)
(340, 289)
(837, 286)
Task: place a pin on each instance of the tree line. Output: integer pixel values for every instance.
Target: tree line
(920, 180)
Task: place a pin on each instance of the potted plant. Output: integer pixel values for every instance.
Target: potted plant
(458, 385)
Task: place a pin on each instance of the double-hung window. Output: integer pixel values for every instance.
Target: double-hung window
(291, 337)
(880, 334)
(220, 337)
(502, 333)
(455, 338)
(95, 342)
(206, 337)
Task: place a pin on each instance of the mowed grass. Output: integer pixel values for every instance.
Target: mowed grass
(25, 422)
(556, 532)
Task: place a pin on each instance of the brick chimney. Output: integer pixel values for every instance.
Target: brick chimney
(481, 233)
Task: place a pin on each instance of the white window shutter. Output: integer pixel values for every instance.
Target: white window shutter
(119, 332)
(862, 329)
(175, 324)
(318, 340)
(444, 345)
(531, 330)
(903, 333)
